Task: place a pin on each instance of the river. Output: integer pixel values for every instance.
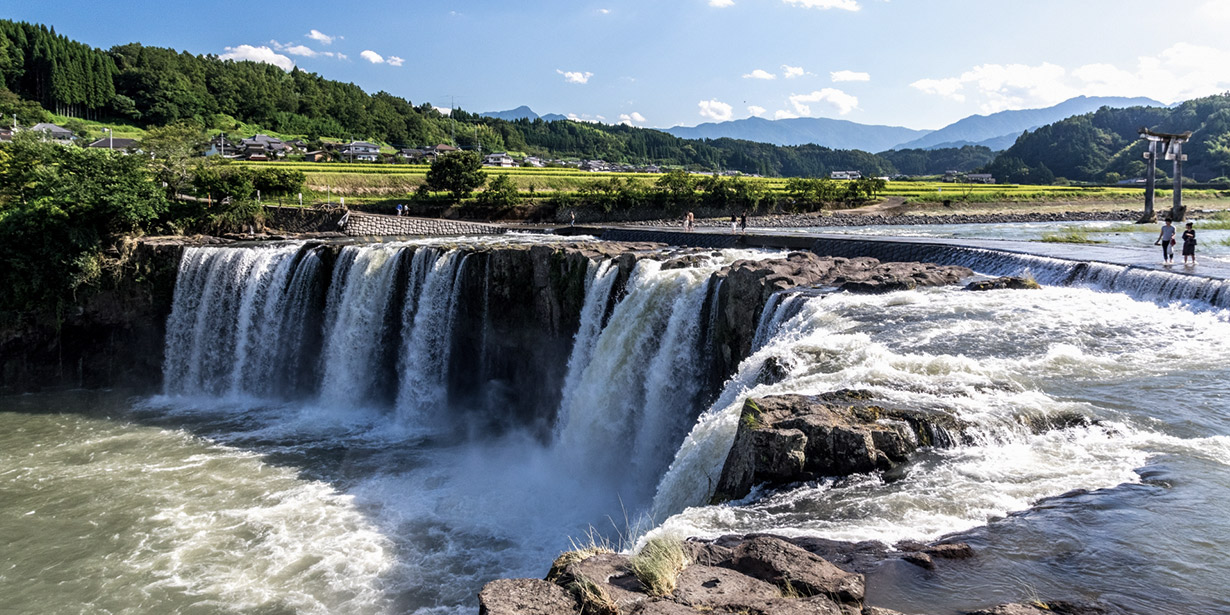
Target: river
(253, 484)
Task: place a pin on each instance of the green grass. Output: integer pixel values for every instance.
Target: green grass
(659, 563)
(1069, 236)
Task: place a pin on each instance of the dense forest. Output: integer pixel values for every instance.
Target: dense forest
(151, 86)
(1104, 146)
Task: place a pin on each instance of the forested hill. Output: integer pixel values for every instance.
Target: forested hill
(1104, 146)
(151, 86)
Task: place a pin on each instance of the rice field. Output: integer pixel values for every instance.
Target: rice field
(391, 181)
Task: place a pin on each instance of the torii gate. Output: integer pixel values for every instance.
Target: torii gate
(1172, 149)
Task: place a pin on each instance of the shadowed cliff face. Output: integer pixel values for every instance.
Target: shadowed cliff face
(112, 337)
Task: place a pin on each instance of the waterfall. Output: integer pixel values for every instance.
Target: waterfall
(599, 279)
(356, 352)
(423, 366)
(229, 324)
(635, 398)
(1137, 282)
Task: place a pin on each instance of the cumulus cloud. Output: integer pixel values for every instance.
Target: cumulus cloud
(585, 117)
(848, 75)
(845, 5)
(756, 110)
(1181, 72)
(394, 61)
(372, 56)
(760, 73)
(575, 76)
(715, 110)
(1214, 10)
(258, 54)
(323, 38)
(631, 118)
(605, 11)
(792, 71)
(721, 3)
(783, 114)
(844, 103)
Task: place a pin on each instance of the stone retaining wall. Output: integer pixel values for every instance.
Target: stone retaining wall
(365, 225)
(301, 219)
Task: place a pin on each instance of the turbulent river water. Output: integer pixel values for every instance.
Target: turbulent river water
(255, 485)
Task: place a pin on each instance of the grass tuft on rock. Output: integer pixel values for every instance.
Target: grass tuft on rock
(593, 598)
(583, 549)
(1070, 236)
(658, 565)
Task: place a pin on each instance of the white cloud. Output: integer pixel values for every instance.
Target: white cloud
(301, 50)
(782, 114)
(848, 75)
(844, 103)
(372, 56)
(575, 77)
(631, 118)
(323, 38)
(1181, 72)
(395, 61)
(443, 110)
(721, 3)
(756, 110)
(846, 5)
(605, 11)
(1214, 10)
(715, 110)
(947, 88)
(792, 71)
(760, 73)
(585, 117)
(258, 54)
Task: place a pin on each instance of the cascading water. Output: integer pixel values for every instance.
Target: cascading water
(236, 319)
(425, 356)
(599, 280)
(425, 521)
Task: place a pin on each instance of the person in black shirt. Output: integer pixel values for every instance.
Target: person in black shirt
(1189, 245)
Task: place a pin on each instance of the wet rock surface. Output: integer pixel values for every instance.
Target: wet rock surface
(755, 574)
(792, 438)
(1004, 282)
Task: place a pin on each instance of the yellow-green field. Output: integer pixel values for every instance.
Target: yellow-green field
(366, 181)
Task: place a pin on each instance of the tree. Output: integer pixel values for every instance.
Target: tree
(173, 149)
(458, 173)
(501, 192)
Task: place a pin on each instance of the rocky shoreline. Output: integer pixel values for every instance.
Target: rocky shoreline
(753, 574)
(826, 219)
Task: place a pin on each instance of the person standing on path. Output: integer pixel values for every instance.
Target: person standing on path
(734, 222)
(399, 209)
(743, 222)
(1166, 240)
(688, 222)
(1189, 245)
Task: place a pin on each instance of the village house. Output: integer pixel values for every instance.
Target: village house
(534, 161)
(846, 175)
(116, 143)
(361, 151)
(500, 159)
(54, 133)
(980, 178)
(262, 147)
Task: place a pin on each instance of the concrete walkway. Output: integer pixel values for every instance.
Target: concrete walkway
(905, 248)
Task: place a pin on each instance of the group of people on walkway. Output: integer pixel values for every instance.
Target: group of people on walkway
(1167, 240)
(738, 224)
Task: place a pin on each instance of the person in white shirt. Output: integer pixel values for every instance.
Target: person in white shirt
(1166, 240)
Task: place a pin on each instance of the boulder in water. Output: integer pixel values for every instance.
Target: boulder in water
(790, 438)
(795, 570)
(1004, 282)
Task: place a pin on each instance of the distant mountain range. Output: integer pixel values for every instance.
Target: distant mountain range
(997, 131)
(523, 113)
(835, 134)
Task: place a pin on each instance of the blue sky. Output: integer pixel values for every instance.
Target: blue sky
(915, 63)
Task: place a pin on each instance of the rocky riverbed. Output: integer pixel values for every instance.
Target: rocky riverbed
(850, 219)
